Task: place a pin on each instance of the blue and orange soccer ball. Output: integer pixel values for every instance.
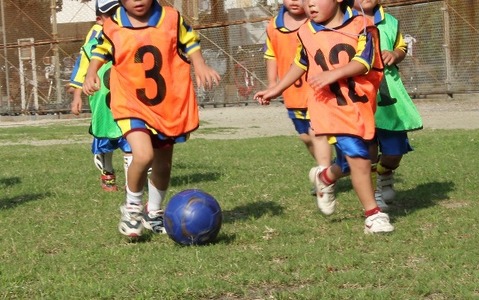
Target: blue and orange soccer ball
(193, 217)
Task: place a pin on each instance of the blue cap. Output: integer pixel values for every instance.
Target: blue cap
(105, 6)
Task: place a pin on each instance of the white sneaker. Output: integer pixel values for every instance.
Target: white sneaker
(385, 185)
(377, 223)
(153, 220)
(131, 220)
(380, 201)
(325, 197)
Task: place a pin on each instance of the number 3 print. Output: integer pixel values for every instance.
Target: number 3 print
(153, 73)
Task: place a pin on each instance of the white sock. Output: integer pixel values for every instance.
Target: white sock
(155, 197)
(108, 162)
(133, 198)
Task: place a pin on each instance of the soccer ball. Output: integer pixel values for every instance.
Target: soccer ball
(192, 217)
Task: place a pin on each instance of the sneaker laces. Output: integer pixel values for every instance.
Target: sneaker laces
(131, 211)
(154, 220)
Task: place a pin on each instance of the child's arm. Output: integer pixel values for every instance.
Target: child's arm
(294, 73)
(205, 75)
(271, 62)
(353, 68)
(397, 55)
(76, 104)
(92, 81)
(272, 72)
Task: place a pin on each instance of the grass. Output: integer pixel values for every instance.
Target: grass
(59, 236)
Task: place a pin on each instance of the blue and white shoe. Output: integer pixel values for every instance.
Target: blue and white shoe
(131, 220)
(153, 220)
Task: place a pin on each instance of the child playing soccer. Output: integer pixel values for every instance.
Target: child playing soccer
(152, 97)
(396, 114)
(341, 55)
(106, 134)
(281, 46)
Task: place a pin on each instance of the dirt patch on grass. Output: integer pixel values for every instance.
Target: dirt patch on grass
(253, 120)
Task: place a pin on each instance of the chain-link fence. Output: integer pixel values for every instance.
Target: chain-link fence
(41, 39)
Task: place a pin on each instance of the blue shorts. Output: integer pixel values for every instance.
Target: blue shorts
(158, 140)
(352, 147)
(100, 146)
(300, 118)
(393, 142)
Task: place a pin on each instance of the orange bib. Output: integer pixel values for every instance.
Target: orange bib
(285, 45)
(149, 79)
(347, 106)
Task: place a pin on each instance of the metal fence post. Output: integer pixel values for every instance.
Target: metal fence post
(447, 49)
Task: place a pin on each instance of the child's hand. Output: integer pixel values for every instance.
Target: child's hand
(389, 57)
(321, 80)
(264, 97)
(91, 84)
(206, 77)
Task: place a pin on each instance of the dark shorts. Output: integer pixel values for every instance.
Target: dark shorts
(300, 119)
(352, 147)
(158, 140)
(393, 142)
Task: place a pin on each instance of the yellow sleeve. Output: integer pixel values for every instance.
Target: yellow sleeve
(189, 39)
(269, 53)
(400, 43)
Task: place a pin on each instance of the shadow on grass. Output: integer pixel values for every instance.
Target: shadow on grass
(422, 196)
(194, 178)
(253, 210)
(13, 202)
(5, 182)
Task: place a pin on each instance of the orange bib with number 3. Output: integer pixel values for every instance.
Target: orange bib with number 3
(150, 80)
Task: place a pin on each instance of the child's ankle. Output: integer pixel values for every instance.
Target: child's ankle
(323, 176)
(371, 212)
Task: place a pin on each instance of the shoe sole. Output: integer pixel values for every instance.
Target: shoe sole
(110, 189)
(131, 234)
(369, 231)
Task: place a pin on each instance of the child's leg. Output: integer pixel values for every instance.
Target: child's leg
(160, 177)
(131, 212)
(393, 146)
(142, 158)
(107, 177)
(157, 187)
(107, 160)
(302, 126)
(390, 162)
(103, 158)
(127, 158)
(374, 154)
(361, 179)
(322, 149)
(307, 141)
(376, 221)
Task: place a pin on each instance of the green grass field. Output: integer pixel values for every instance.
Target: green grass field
(59, 237)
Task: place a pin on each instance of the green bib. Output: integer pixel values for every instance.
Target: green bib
(395, 109)
(102, 123)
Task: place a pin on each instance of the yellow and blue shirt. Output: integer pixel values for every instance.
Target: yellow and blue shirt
(81, 64)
